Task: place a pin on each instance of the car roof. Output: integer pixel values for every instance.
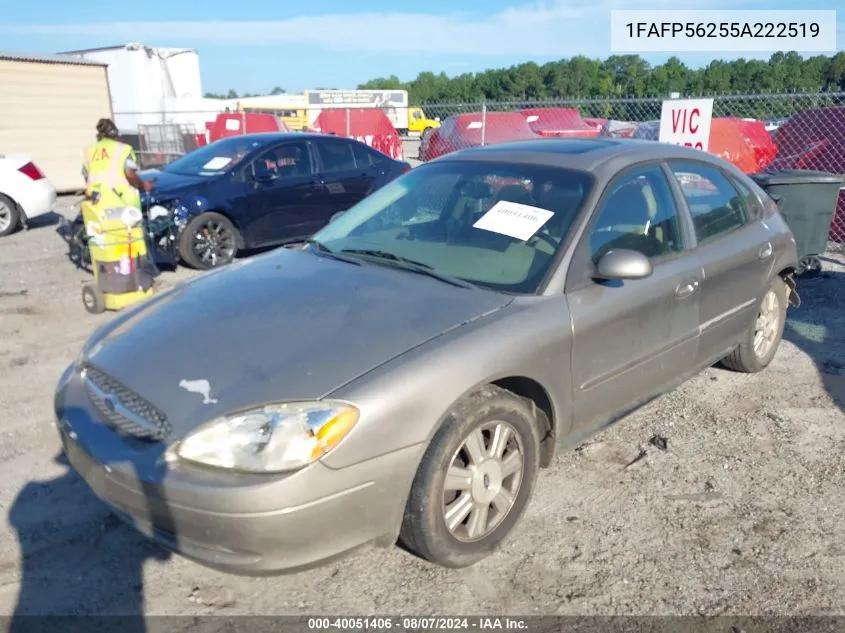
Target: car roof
(586, 154)
(272, 137)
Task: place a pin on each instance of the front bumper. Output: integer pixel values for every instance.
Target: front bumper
(242, 524)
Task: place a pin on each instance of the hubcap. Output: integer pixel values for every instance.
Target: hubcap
(5, 216)
(483, 481)
(213, 243)
(766, 329)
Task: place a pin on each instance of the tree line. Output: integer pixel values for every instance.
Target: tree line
(233, 94)
(624, 76)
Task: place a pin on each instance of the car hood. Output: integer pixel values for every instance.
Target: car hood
(288, 325)
(168, 184)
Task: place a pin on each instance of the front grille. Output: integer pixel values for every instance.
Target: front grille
(123, 409)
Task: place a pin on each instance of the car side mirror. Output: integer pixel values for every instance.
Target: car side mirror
(622, 263)
(262, 173)
(336, 216)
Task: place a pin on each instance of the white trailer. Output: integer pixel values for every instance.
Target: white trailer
(145, 81)
(393, 102)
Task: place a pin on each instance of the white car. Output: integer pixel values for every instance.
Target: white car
(25, 192)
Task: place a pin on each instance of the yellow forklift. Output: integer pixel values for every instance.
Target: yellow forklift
(124, 273)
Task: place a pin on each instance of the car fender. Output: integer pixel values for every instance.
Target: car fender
(190, 207)
(785, 261)
(527, 339)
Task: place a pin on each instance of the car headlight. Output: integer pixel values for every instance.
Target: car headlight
(272, 438)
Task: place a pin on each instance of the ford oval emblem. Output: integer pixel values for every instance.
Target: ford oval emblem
(110, 403)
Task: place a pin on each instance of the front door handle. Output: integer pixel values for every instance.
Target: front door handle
(686, 289)
(766, 251)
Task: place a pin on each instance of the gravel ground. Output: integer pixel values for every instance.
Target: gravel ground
(739, 514)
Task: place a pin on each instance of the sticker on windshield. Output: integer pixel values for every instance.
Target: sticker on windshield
(519, 221)
(218, 162)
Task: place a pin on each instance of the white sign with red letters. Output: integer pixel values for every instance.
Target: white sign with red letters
(686, 122)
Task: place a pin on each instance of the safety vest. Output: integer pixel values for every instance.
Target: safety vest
(105, 164)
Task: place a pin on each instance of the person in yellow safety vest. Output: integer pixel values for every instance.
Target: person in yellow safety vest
(110, 170)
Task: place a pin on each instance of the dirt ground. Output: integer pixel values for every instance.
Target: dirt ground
(741, 513)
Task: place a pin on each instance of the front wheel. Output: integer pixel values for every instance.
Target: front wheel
(210, 240)
(761, 342)
(474, 481)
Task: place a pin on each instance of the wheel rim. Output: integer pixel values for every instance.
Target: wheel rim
(766, 329)
(89, 300)
(483, 481)
(5, 216)
(213, 243)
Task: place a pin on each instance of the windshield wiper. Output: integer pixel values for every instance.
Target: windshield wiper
(324, 251)
(409, 264)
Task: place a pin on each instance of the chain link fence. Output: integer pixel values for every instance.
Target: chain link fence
(755, 132)
(160, 137)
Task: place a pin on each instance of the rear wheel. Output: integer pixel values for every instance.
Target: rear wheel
(762, 340)
(210, 240)
(10, 216)
(474, 481)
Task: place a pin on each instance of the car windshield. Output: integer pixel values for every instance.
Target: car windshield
(490, 224)
(214, 159)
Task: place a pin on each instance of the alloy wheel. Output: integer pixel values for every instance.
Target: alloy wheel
(5, 216)
(768, 320)
(483, 481)
(213, 243)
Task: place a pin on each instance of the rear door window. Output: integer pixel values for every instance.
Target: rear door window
(335, 155)
(365, 157)
(717, 208)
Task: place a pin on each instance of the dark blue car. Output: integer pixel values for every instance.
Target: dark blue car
(259, 190)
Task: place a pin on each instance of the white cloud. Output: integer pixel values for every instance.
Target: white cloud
(548, 28)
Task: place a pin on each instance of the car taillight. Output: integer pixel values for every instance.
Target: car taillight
(32, 171)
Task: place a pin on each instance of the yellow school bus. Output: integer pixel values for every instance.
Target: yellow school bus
(299, 111)
(291, 109)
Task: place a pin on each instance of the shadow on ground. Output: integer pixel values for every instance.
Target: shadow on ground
(42, 221)
(817, 328)
(77, 559)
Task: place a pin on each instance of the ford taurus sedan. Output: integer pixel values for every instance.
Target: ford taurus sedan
(407, 373)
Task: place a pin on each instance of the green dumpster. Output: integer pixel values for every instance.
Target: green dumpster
(807, 201)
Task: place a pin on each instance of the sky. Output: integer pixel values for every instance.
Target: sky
(256, 45)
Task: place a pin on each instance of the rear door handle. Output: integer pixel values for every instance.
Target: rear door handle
(686, 289)
(766, 251)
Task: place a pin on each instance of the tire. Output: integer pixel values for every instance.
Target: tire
(10, 216)
(93, 299)
(222, 256)
(744, 358)
(424, 528)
